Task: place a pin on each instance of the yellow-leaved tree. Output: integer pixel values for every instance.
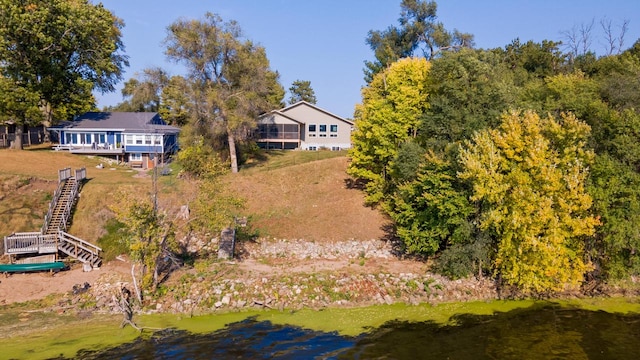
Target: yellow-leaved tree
(149, 237)
(529, 177)
(390, 114)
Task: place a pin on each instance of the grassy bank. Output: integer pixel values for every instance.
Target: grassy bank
(28, 334)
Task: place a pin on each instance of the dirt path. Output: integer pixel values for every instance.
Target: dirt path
(351, 266)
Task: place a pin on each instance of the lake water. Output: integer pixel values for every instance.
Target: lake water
(540, 332)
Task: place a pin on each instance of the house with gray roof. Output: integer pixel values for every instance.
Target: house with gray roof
(141, 139)
(303, 126)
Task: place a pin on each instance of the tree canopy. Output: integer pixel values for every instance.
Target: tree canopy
(389, 116)
(520, 162)
(143, 92)
(230, 80)
(301, 90)
(419, 31)
(53, 54)
(529, 174)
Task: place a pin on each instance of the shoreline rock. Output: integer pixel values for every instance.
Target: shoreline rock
(225, 286)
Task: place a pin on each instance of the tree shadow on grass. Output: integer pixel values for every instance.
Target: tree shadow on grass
(261, 158)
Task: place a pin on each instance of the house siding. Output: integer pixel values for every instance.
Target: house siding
(305, 115)
(119, 135)
(310, 115)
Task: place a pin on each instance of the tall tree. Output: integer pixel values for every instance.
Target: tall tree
(174, 101)
(143, 92)
(301, 90)
(530, 177)
(149, 237)
(468, 92)
(390, 114)
(231, 82)
(418, 31)
(53, 54)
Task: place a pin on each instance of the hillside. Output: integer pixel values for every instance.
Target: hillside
(313, 228)
(287, 196)
(309, 201)
(28, 179)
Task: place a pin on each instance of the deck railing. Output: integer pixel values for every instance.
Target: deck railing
(34, 242)
(64, 175)
(52, 205)
(30, 242)
(79, 245)
(81, 174)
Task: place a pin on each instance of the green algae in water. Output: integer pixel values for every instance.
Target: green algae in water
(355, 321)
(65, 340)
(542, 330)
(102, 332)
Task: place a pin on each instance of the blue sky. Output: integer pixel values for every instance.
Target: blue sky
(323, 41)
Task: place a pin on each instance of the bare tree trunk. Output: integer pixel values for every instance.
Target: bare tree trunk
(135, 283)
(17, 143)
(232, 151)
(48, 119)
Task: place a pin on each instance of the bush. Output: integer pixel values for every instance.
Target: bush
(462, 260)
(455, 262)
(111, 243)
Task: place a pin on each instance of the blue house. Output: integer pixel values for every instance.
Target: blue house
(141, 139)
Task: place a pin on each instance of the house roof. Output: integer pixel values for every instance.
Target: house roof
(279, 112)
(304, 103)
(118, 121)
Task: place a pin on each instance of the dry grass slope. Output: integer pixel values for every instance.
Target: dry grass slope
(307, 201)
(28, 179)
(292, 195)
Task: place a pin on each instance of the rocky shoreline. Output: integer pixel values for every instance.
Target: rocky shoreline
(291, 274)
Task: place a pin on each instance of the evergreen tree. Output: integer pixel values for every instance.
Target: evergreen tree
(301, 90)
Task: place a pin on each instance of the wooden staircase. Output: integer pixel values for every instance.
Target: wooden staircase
(61, 205)
(79, 249)
(52, 238)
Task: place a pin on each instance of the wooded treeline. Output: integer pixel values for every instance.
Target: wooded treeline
(521, 163)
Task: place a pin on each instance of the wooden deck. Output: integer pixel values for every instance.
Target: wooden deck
(52, 239)
(30, 243)
(90, 149)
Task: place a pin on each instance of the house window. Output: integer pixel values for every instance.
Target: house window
(334, 135)
(312, 135)
(129, 139)
(323, 128)
(135, 157)
(334, 128)
(147, 139)
(323, 135)
(138, 139)
(313, 148)
(312, 127)
(335, 148)
(158, 139)
(103, 138)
